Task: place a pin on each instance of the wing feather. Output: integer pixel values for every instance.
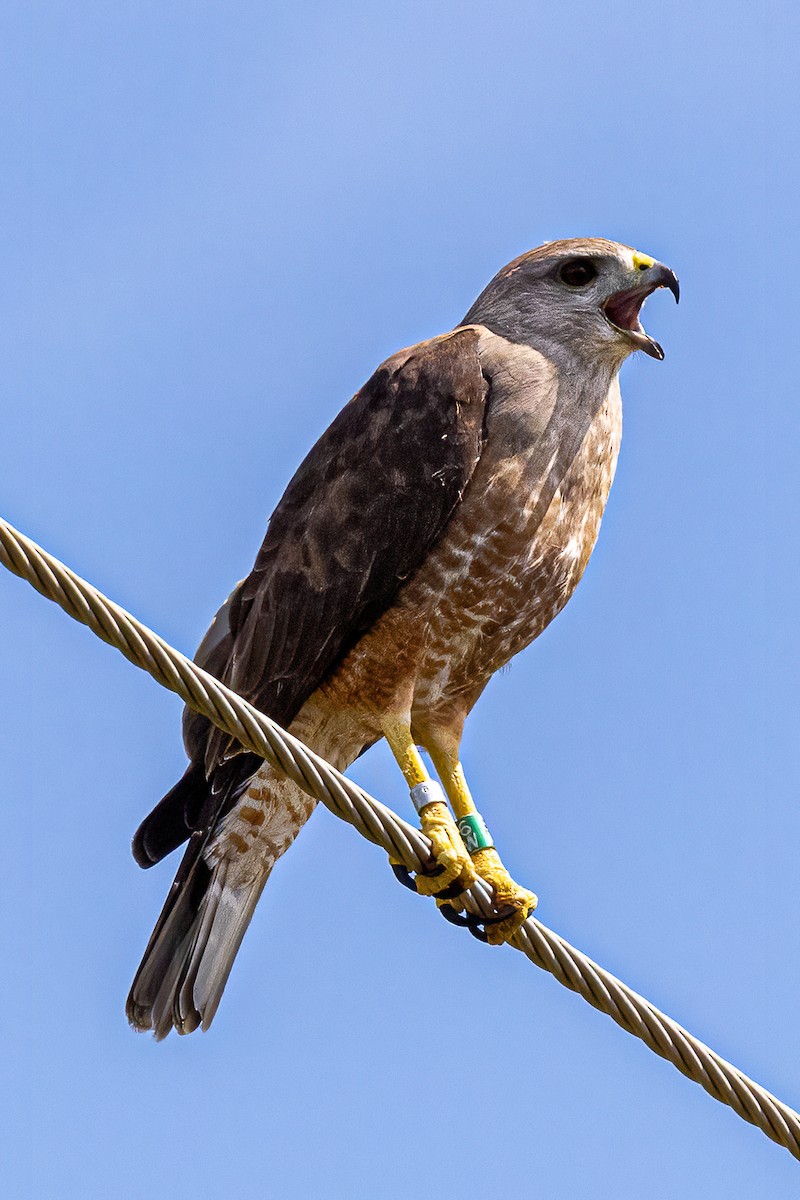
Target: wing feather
(357, 520)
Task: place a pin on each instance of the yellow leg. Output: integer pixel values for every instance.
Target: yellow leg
(487, 861)
(435, 819)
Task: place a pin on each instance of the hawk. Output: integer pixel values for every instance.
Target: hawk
(434, 530)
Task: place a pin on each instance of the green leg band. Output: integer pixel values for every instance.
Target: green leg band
(474, 833)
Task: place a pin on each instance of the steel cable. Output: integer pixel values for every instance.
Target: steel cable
(401, 841)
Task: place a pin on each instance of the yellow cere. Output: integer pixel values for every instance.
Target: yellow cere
(642, 261)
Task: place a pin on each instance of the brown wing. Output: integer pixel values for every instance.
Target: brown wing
(359, 517)
(357, 520)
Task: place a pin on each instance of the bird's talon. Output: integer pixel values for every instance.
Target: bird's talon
(502, 928)
(477, 930)
(498, 918)
(514, 904)
(464, 921)
(451, 883)
(453, 916)
(403, 875)
(456, 871)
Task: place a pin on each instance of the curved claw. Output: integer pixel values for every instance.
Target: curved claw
(513, 904)
(404, 876)
(452, 915)
(494, 930)
(502, 928)
(464, 920)
(480, 927)
(456, 888)
(454, 871)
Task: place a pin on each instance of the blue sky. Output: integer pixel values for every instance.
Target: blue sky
(217, 220)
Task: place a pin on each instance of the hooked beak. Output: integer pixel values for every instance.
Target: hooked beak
(622, 309)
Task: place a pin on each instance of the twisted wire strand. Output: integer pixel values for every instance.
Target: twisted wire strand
(401, 841)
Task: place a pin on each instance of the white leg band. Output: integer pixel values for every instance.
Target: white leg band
(426, 793)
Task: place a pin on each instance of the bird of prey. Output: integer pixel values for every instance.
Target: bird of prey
(434, 530)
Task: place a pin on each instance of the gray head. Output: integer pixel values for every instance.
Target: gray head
(577, 299)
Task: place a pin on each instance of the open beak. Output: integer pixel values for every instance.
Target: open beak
(623, 308)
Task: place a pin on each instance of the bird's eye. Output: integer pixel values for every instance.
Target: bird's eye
(578, 272)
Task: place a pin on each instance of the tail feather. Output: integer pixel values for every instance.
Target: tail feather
(163, 957)
(158, 1016)
(187, 963)
(188, 959)
(219, 935)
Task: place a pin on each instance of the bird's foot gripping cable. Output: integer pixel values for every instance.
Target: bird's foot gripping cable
(495, 930)
(453, 871)
(460, 849)
(514, 903)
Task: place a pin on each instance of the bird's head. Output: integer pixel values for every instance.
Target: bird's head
(578, 298)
